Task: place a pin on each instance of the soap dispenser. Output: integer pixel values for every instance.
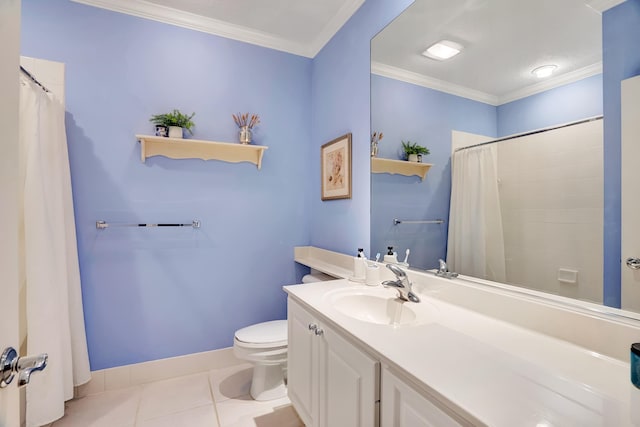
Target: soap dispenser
(391, 256)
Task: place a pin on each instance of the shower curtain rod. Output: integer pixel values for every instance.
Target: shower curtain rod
(28, 74)
(533, 132)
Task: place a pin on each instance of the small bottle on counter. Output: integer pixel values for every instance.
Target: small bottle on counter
(391, 256)
(635, 364)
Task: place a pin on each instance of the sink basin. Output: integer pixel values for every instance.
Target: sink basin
(382, 307)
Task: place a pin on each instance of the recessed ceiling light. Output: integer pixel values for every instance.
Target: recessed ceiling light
(442, 50)
(544, 71)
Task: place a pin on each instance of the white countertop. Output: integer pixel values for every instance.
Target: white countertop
(496, 373)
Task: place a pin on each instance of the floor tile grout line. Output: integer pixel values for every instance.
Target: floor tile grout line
(213, 398)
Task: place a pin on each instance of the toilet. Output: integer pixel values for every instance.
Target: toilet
(264, 345)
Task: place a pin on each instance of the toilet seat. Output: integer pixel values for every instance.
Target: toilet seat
(261, 335)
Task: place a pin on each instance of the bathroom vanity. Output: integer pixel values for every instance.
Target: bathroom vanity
(460, 357)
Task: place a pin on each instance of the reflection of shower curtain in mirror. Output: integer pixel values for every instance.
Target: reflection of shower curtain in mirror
(49, 271)
(476, 244)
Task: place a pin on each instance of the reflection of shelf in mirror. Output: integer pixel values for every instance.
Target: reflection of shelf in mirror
(178, 148)
(400, 167)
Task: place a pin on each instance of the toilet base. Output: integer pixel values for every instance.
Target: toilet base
(268, 382)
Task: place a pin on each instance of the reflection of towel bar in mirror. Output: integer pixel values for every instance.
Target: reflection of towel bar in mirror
(101, 225)
(397, 221)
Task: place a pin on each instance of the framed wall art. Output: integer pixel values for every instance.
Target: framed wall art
(335, 168)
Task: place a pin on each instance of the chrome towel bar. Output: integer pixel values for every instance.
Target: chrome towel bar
(101, 225)
(396, 221)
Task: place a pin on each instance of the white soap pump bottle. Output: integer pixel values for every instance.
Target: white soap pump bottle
(391, 256)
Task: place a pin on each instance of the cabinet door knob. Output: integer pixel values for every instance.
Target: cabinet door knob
(319, 332)
(313, 326)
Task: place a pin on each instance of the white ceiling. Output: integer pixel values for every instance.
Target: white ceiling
(504, 39)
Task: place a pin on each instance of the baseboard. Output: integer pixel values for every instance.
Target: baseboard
(155, 370)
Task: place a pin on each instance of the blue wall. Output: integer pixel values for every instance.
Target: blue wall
(340, 104)
(403, 111)
(621, 60)
(564, 104)
(155, 293)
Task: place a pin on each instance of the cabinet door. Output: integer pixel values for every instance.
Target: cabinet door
(302, 371)
(349, 383)
(403, 406)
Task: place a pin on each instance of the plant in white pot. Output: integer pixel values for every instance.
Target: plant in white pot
(175, 121)
(412, 150)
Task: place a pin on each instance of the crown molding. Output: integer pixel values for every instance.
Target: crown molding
(603, 5)
(465, 92)
(167, 15)
(431, 83)
(344, 14)
(552, 83)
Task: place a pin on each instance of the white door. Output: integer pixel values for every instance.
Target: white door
(9, 66)
(402, 406)
(302, 365)
(349, 383)
(630, 222)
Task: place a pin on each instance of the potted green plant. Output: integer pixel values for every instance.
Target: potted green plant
(412, 150)
(175, 122)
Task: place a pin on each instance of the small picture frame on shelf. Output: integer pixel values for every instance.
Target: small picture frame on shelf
(162, 130)
(335, 168)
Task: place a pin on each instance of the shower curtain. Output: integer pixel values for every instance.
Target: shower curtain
(49, 272)
(476, 242)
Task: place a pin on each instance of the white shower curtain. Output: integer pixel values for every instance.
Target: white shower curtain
(50, 274)
(476, 241)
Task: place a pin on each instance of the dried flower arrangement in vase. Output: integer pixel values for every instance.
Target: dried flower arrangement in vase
(245, 123)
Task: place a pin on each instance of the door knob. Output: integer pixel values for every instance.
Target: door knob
(633, 263)
(10, 364)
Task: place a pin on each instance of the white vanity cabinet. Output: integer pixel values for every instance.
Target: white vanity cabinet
(403, 406)
(331, 382)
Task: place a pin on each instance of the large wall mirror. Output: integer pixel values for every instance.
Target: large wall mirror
(524, 184)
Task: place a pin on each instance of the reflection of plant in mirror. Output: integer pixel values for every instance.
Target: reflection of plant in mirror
(413, 148)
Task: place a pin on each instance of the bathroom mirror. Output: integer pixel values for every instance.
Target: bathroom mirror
(550, 183)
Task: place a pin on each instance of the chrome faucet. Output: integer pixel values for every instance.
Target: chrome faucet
(443, 271)
(402, 284)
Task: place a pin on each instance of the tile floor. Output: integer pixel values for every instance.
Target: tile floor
(219, 398)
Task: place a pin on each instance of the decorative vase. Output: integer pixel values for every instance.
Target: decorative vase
(374, 149)
(175, 132)
(245, 135)
(413, 157)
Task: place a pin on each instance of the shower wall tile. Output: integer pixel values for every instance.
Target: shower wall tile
(552, 205)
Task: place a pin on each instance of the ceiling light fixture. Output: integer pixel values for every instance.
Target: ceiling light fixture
(442, 50)
(544, 71)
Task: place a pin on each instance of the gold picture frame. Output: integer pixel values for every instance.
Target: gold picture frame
(335, 168)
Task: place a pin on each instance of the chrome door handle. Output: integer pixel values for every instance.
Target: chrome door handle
(313, 326)
(633, 263)
(10, 364)
(319, 332)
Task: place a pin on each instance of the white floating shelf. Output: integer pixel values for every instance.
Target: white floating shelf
(178, 148)
(400, 167)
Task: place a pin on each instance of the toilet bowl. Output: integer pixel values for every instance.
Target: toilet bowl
(264, 345)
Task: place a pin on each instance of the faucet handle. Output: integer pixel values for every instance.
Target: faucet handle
(27, 365)
(443, 266)
(10, 364)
